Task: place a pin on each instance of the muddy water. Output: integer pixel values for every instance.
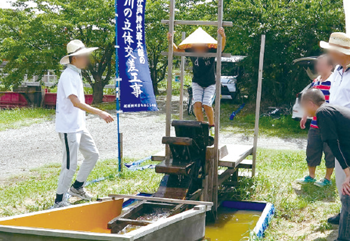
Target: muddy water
(232, 225)
(153, 217)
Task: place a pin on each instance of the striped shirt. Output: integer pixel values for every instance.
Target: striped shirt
(324, 86)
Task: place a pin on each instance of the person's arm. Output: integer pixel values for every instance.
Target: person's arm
(303, 121)
(175, 48)
(221, 31)
(327, 126)
(85, 107)
(336, 150)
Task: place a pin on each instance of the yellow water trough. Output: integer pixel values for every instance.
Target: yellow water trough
(90, 222)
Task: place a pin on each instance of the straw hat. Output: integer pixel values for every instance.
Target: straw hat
(339, 42)
(199, 37)
(74, 48)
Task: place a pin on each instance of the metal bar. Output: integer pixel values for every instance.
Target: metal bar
(217, 109)
(258, 100)
(158, 199)
(170, 74)
(193, 54)
(117, 88)
(121, 153)
(182, 79)
(194, 22)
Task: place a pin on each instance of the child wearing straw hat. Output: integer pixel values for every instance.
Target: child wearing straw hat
(70, 124)
(203, 82)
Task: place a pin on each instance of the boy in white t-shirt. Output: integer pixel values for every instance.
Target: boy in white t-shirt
(70, 124)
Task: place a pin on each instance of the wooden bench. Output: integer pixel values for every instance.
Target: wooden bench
(236, 154)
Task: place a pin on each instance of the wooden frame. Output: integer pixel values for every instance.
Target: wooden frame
(211, 182)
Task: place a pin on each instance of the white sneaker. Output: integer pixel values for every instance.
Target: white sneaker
(80, 193)
(61, 204)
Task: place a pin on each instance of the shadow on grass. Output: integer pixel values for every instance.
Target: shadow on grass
(312, 193)
(284, 127)
(331, 237)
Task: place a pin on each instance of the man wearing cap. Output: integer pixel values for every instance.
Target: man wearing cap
(203, 81)
(70, 124)
(338, 48)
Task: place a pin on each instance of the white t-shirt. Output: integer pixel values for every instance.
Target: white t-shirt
(340, 88)
(70, 119)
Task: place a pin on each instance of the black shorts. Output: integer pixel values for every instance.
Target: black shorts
(315, 148)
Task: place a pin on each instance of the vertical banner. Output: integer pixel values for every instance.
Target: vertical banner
(136, 88)
(347, 15)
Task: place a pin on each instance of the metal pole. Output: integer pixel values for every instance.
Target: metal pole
(170, 73)
(182, 78)
(217, 108)
(258, 100)
(117, 84)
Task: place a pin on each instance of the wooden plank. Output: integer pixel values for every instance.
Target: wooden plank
(217, 109)
(182, 79)
(236, 154)
(166, 200)
(203, 23)
(193, 54)
(225, 175)
(170, 74)
(169, 167)
(133, 222)
(245, 164)
(159, 156)
(258, 100)
(180, 141)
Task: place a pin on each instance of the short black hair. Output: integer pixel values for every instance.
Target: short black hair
(314, 95)
(70, 59)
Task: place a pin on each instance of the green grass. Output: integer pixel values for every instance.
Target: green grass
(244, 123)
(284, 127)
(17, 118)
(36, 191)
(300, 211)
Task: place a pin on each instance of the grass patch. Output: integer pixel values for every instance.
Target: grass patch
(110, 106)
(36, 191)
(301, 211)
(244, 123)
(284, 127)
(16, 118)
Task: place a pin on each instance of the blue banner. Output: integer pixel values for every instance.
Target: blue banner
(136, 88)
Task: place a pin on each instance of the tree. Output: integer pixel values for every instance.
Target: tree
(156, 40)
(293, 29)
(33, 39)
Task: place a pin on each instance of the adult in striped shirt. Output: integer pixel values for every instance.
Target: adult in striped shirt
(315, 146)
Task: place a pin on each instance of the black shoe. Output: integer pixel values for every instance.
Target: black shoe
(334, 220)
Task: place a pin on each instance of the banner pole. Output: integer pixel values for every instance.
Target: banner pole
(117, 87)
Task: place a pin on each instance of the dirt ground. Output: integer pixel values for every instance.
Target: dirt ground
(36, 145)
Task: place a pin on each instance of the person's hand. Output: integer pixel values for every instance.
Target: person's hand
(221, 31)
(346, 186)
(107, 117)
(169, 36)
(303, 122)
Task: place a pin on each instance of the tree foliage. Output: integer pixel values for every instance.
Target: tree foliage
(293, 29)
(33, 39)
